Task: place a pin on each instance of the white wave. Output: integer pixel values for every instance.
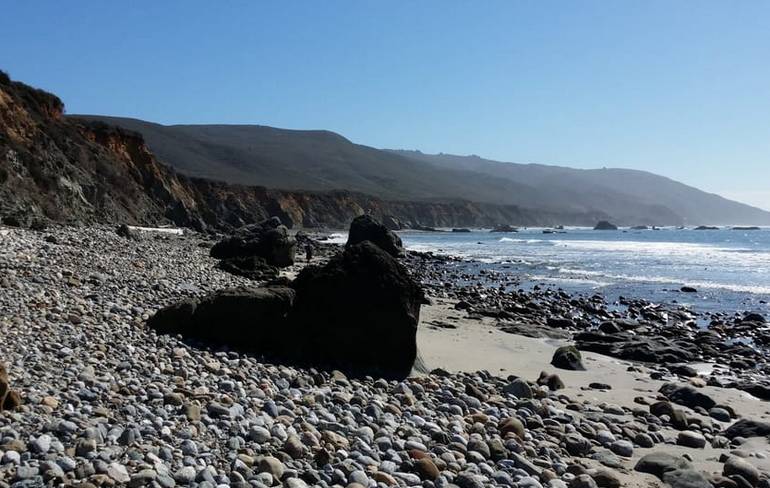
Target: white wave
(526, 241)
(668, 280)
(646, 247)
(337, 238)
(581, 281)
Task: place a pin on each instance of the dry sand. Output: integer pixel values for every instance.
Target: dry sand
(478, 345)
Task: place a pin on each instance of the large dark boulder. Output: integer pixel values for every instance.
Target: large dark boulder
(247, 319)
(269, 240)
(359, 311)
(366, 228)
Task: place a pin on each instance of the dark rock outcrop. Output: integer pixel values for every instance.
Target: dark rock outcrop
(269, 240)
(359, 312)
(605, 225)
(361, 309)
(248, 319)
(504, 228)
(366, 228)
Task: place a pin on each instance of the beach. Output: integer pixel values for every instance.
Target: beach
(107, 401)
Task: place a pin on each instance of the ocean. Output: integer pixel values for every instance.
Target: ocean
(730, 269)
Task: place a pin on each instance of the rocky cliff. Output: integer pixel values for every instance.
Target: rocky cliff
(73, 171)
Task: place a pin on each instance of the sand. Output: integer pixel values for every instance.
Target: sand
(478, 345)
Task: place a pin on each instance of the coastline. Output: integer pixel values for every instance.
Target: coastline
(74, 305)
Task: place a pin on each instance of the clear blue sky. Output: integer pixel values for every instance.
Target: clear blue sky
(679, 88)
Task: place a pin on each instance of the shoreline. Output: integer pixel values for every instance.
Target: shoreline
(114, 403)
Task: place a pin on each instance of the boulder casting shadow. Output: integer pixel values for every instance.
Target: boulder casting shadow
(359, 313)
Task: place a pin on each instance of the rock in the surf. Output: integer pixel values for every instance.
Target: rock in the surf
(605, 225)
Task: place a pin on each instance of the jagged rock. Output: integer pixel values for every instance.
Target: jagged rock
(568, 357)
(269, 240)
(605, 225)
(366, 228)
(362, 308)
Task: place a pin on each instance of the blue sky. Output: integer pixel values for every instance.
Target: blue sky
(678, 88)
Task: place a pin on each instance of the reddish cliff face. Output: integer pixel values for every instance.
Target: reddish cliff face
(73, 171)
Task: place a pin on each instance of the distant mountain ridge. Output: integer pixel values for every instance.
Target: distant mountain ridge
(317, 160)
(76, 171)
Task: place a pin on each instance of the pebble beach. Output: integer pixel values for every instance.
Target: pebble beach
(108, 402)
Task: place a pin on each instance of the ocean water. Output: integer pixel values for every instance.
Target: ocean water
(729, 268)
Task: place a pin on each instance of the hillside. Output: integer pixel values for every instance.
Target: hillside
(322, 161)
(579, 189)
(75, 171)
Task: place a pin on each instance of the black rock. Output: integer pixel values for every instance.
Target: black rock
(748, 428)
(687, 395)
(359, 311)
(124, 231)
(604, 225)
(366, 228)
(754, 317)
(568, 357)
(504, 228)
(659, 463)
(251, 267)
(268, 240)
(461, 230)
(688, 289)
(248, 319)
